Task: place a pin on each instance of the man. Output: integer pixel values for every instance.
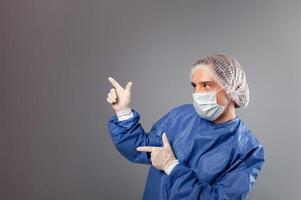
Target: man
(201, 150)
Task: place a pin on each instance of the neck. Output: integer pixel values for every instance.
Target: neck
(227, 115)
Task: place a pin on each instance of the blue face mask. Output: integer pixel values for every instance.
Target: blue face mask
(206, 105)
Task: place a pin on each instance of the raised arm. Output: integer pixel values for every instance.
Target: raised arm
(124, 127)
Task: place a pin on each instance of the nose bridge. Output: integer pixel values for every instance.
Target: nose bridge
(198, 88)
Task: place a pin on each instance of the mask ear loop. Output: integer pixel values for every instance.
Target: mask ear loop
(219, 89)
(232, 90)
(227, 102)
(227, 95)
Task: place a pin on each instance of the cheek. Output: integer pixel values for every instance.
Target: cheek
(221, 99)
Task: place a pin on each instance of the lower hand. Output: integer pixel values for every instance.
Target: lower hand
(161, 157)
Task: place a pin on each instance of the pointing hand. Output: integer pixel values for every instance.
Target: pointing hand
(161, 157)
(119, 97)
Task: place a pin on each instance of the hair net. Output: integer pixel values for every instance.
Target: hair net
(230, 74)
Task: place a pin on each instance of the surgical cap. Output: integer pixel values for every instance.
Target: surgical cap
(230, 74)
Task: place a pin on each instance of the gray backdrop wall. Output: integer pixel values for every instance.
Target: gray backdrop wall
(55, 59)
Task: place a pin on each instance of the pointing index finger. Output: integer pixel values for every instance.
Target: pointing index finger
(145, 149)
(114, 83)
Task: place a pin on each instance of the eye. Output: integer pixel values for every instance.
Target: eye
(206, 85)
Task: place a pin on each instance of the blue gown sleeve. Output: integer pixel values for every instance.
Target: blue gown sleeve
(129, 134)
(236, 183)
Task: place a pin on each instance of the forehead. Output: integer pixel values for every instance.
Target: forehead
(202, 73)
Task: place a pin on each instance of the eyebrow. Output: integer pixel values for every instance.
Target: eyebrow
(202, 82)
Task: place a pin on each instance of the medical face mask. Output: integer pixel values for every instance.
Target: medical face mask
(206, 105)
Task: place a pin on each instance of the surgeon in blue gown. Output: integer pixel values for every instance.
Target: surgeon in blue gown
(201, 150)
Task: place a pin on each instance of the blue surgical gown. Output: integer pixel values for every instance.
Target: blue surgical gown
(216, 161)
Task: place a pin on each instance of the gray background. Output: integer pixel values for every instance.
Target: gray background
(55, 59)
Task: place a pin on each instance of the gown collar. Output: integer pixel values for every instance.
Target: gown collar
(226, 123)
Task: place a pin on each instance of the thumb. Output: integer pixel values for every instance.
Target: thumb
(165, 141)
(128, 86)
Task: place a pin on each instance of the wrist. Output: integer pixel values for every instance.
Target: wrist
(170, 166)
(124, 113)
